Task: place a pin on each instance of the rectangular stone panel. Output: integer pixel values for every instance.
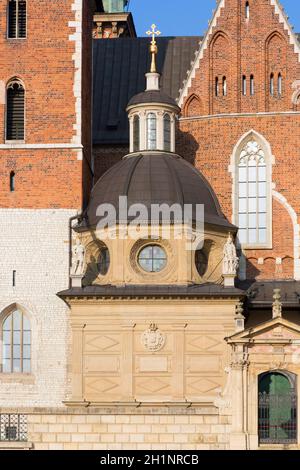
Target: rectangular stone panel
(152, 364)
(203, 364)
(102, 363)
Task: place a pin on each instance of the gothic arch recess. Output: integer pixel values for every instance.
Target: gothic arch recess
(220, 66)
(276, 60)
(193, 106)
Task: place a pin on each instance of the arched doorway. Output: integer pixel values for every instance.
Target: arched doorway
(277, 408)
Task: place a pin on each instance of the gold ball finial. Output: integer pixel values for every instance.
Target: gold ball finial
(153, 46)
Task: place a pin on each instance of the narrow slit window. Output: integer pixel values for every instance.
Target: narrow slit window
(252, 89)
(224, 86)
(244, 85)
(216, 86)
(272, 84)
(15, 113)
(12, 181)
(247, 10)
(136, 133)
(279, 84)
(151, 132)
(17, 19)
(167, 133)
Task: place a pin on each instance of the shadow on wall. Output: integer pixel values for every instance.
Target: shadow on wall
(186, 145)
(252, 269)
(270, 269)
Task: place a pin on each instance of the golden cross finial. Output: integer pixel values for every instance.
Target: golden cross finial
(153, 48)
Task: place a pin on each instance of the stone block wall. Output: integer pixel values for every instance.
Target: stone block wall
(35, 244)
(158, 429)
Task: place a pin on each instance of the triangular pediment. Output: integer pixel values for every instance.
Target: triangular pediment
(271, 330)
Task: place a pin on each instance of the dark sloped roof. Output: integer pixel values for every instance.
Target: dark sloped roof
(155, 178)
(204, 290)
(119, 74)
(260, 293)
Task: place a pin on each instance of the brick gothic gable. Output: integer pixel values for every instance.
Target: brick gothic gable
(235, 46)
(212, 126)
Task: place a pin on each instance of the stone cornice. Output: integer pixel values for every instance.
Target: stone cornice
(240, 115)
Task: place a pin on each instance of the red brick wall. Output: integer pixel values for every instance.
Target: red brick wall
(240, 47)
(237, 47)
(209, 142)
(87, 177)
(43, 179)
(44, 62)
(106, 156)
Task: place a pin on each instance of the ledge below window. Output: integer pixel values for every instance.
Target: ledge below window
(14, 445)
(17, 378)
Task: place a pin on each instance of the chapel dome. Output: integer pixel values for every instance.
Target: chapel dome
(151, 97)
(155, 178)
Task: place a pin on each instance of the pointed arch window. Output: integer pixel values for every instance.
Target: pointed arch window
(151, 131)
(247, 10)
(12, 181)
(224, 86)
(217, 86)
(167, 133)
(17, 19)
(15, 111)
(244, 85)
(253, 200)
(136, 133)
(272, 84)
(252, 87)
(16, 343)
(279, 84)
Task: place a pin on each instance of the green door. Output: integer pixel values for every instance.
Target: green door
(277, 409)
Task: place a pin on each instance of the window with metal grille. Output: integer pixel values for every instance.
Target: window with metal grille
(13, 427)
(17, 19)
(16, 340)
(277, 408)
(15, 112)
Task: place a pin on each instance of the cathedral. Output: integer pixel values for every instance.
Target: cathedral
(150, 269)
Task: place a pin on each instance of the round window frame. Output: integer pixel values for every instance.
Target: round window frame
(166, 274)
(152, 244)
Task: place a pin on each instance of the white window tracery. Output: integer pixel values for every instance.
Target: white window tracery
(253, 200)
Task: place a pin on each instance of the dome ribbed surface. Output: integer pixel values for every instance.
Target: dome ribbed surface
(155, 178)
(152, 96)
